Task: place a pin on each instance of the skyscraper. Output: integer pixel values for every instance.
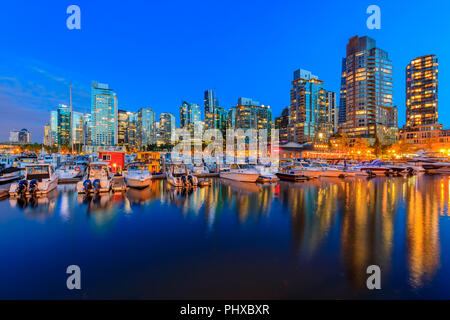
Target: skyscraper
(366, 91)
(190, 117)
(64, 116)
(250, 114)
(333, 111)
(77, 128)
(104, 115)
(282, 124)
(210, 102)
(47, 135)
(309, 120)
(146, 129)
(54, 128)
(88, 129)
(167, 127)
(422, 93)
(122, 124)
(132, 138)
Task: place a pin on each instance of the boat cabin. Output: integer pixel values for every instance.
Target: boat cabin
(38, 172)
(115, 159)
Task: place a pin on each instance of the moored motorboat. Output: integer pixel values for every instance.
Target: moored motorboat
(180, 177)
(39, 180)
(376, 167)
(98, 179)
(291, 173)
(9, 174)
(70, 172)
(242, 173)
(137, 175)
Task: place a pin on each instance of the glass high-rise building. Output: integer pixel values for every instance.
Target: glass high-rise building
(250, 114)
(104, 115)
(122, 124)
(422, 93)
(309, 116)
(366, 91)
(54, 128)
(333, 111)
(167, 127)
(88, 129)
(190, 117)
(64, 119)
(282, 124)
(77, 128)
(146, 129)
(210, 102)
(132, 139)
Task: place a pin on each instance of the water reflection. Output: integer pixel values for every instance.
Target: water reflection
(349, 223)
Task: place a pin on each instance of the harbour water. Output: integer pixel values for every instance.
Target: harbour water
(311, 239)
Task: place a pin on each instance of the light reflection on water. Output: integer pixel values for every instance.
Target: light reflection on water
(233, 240)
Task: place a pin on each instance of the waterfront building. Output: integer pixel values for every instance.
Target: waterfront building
(366, 92)
(146, 129)
(47, 135)
(167, 128)
(64, 116)
(54, 128)
(88, 129)
(282, 124)
(210, 103)
(250, 114)
(77, 128)
(131, 137)
(422, 93)
(220, 119)
(333, 111)
(122, 124)
(19, 136)
(309, 116)
(104, 115)
(190, 117)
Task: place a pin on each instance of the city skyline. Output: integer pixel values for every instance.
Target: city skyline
(37, 83)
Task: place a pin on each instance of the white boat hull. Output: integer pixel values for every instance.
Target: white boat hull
(238, 176)
(138, 182)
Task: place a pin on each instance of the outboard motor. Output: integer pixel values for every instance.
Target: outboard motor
(87, 184)
(96, 185)
(33, 186)
(184, 179)
(191, 179)
(23, 185)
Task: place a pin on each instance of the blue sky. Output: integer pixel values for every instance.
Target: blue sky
(157, 53)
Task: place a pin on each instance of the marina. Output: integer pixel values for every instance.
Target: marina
(310, 239)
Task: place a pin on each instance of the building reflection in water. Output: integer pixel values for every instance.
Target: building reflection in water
(422, 227)
(357, 218)
(368, 211)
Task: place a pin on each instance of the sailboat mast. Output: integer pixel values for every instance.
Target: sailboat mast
(71, 114)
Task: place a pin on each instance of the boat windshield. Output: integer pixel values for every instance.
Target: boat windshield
(245, 166)
(37, 172)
